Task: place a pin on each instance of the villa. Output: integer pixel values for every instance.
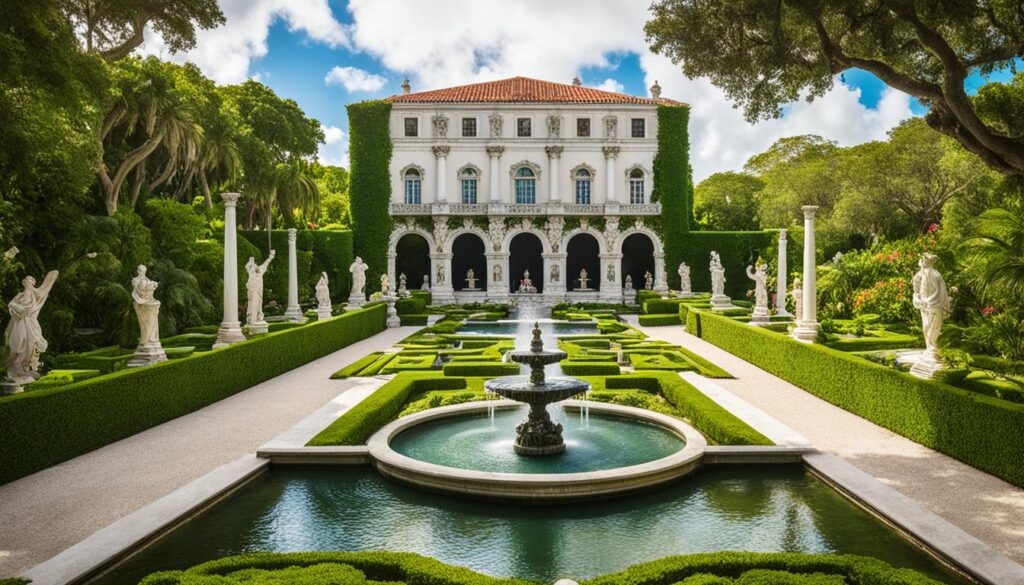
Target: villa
(517, 175)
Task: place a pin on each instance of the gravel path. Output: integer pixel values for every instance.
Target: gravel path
(44, 513)
(985, 506)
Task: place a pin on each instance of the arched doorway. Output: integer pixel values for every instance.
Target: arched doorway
(412, 258)
(526, 253)
(468, 254)
(583, 253)
(637, 259)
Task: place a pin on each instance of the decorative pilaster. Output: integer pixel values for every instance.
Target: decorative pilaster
(610, 154)
(497, 283)
(495, 152)
(230, 327)
(293, 312)
(780, 279)
(554, 153)
(556, 278)
(442, 292)
(807, 330)
(611, 279)
(441, 159)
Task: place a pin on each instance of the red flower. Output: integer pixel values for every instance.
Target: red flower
(986, 311)
(933, 228)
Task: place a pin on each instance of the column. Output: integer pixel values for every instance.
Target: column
(230, 328)
(611, 288)
(441, 289)
(495, 152)
(441, 158)
(554, 153)
(610, 154)
(780, 278)
(497, 290)
(807, 330)
(293, 312)
(555, 287)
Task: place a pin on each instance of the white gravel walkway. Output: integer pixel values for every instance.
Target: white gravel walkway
(987, 507)
(44, 513)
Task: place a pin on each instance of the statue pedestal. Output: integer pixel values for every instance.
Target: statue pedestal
(257, 328)
(147, 354)
(760, 316)
(393, 321)
(227, 334)
(294, 314)
(355, 302)
(323, 314)
(926, 364)
(721, 303)
(8, 387)
(806, 331)
(685, 295)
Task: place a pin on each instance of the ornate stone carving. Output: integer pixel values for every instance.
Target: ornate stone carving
(441, 151)
(525, 163)
(610, 151)
(556, 273)
(496, 122)
(495, 151)
(611, 271)
(496, 273)
(553, 151)
(440, 232)
(496, 232)
(611, 124)
(525, 223)
(440, 122)
(467, 223)
(555, 227)
(582, 167)
(554, 126)
(611, 231)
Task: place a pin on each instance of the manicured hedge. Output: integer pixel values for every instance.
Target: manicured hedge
(317, 251)
(376, 410)
(737, 249)
(875, 341)
(661, 306)
(412, 320)
(357, 366)
(984, 432)
(596, 368)
(411, 305)
(484, 369)
(659, 320)
(369, 184)
(45, 427)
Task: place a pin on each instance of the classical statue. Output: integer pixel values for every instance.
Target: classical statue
(496, 273)
(629, 283)
(147, 308)
(932, 299)
(402, 283)
(526, 285)
(358, 269)
(648, 280)
(684, 278)
(584, 279)
(24, 336)
(471, 279)
(760, 277)
(385, 285)
(717, 276)
(323, 293)
(496, 124)
(426, 282)
(440, 274)
(254, 289)
(798, 299)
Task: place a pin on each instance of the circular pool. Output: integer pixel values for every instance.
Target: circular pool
(610, 449)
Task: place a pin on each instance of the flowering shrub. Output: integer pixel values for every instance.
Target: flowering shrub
(890, 299)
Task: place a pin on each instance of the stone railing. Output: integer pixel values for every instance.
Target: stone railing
(398, 209)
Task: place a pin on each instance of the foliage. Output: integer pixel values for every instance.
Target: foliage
(317, 251)
(737, 249)
(411, 305)
(672, 184)
(977, 430)
(370, 183)
(990, 331)
(998, 254)
(175, 228)
(889, 299)
(589, 368)
(728, 201)
(46, 427)
(660, 320)
(795, 50)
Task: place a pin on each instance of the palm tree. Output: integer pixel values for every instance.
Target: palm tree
(997, 254)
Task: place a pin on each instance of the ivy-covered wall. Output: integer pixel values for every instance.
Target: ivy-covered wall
(672, 184)
(370, 184)
(317, 251)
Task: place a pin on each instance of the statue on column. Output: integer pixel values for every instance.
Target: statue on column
(426, 282)
(254, 290)
(798, 299)
(629, 283)
(718, 299)
(684, 279)
(23, 336)
(932, 299)
(358, 269)
(648, 280)
(147, 309)
(402, 284)
(760, 277)
(385, 285)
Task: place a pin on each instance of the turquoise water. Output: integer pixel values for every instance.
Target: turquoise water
(523, 327)
(595, 443)
(771, 509)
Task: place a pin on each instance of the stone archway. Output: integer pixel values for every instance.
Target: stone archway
(583, 252)
(638, 258)
(412, 258)
(468, 253)
(526, 252)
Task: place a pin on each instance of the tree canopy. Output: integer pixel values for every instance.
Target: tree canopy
(766, 53)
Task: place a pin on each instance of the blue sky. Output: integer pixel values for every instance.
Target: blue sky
(293, 45)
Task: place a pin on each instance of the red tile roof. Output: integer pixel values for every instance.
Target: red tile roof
(524, 90)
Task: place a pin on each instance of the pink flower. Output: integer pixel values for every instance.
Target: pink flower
(986, 311)
(933, 228)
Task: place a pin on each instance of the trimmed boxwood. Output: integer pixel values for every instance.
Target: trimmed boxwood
(414, 320)
(376, 410)
(45, 427)
(602, 368)
(411, 305)
(659, 320)
(875, 341)
(356, 367)
(662, 306)
(981, 431)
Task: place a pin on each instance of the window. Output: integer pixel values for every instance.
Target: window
(583, 127)
(412, 126)
(468, 127)
(469, 180)
(523, 129)
(636, 187)
(639, 127)
(526, 186)
(413, 191)
(583, 179)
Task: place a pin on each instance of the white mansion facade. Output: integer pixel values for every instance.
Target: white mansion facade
(520, 174)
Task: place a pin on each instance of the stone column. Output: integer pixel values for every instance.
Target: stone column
(497, 291)
(441, 158)
(660, 276)
(293, 312)
(495, 152)
(392, 274)
(610, 154)
(807, 330)
(555, 289)
(442, 293)
(554, 153)
(230, 327)
(783, 270)
(611, 290)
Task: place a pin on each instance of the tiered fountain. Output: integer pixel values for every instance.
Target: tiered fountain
(537, 435)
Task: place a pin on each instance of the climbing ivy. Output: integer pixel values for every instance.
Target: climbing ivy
(672, 181)
(370, 183)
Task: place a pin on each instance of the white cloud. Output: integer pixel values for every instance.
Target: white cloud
(226, 53)
(610, 85)
(354, 79)
(334, 150)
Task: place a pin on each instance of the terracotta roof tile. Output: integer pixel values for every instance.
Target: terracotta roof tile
(524, 90)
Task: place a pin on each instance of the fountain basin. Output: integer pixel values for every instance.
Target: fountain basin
(536, 487)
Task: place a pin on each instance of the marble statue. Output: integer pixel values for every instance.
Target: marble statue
(718, 298)
(684, 280)
(385, 285)
(11, 253)
(426, 282)
(254, 291)
(556, 273)
(323, 297)
(471, 280)
(629, 283)
(584, 279)
(496, 273)
(648, 280)
(147, 309)
(23, 336)
(932, 299)
(760, 277)
(402, 283)
(798, 299)
(526, 285)
(611, 272)
(358, 269)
